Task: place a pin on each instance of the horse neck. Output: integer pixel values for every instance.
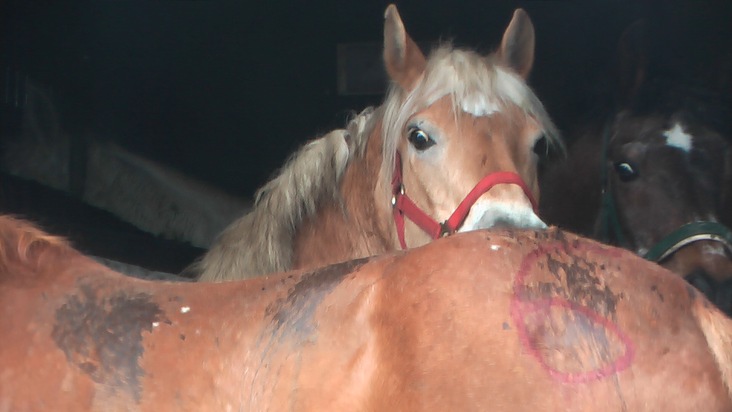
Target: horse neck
(571, 187)
(355, 224)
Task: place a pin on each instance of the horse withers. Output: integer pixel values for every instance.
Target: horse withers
(502, 320)
(453, 148)
(650, 172)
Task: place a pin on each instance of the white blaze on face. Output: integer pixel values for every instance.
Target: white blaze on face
(487, 213)
(677, 137)
(478, 105)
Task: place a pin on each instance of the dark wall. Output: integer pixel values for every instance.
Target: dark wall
(226, 90)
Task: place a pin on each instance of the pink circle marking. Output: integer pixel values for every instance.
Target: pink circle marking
(521, 308)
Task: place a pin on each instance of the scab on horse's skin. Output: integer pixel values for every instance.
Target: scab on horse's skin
(654, 289)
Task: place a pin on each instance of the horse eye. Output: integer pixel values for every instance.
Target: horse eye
(420, 139)
(626, 172)
(541, 147)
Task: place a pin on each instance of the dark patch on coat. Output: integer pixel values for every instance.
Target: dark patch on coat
(573, 277)
(293, 314)
(584, 284)
(658, 293)
(102, 335)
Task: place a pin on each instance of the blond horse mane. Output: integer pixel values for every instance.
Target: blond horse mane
(23, 244)
(262, 241)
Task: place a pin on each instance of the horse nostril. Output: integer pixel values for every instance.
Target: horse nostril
(503, 224)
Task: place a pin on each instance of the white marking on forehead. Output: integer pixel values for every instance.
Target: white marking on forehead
(185, 309)
(495, 247)
(478, 105)
(507, 87)
(677, 137)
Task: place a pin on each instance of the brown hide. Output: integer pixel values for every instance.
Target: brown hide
(502, 320)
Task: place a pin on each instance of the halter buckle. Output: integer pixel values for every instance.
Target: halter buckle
(445, 230)
(399, 192)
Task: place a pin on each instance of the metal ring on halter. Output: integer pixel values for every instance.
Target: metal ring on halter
(394, 196)
(445, 230)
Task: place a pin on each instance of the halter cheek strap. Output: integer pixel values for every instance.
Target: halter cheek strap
(609, 221)
(403, 206)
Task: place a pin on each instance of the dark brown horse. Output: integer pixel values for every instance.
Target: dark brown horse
(650, 173)
(454, 147)
(503, 320)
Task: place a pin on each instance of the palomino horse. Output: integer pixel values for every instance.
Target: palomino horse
(501, 320)
(650, 175)
(456, 141)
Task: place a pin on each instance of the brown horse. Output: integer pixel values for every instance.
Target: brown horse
(649, 174)
(502, 320)
(454, 147)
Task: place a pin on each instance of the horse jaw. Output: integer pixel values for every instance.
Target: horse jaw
(488, 213)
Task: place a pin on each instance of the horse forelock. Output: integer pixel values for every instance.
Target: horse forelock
(22, 243)
(478, 85)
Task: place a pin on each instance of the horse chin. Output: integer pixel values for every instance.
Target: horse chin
(491, 214)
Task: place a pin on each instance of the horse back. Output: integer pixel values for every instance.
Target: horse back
(82, 337)
(542, 321)
(505, 320)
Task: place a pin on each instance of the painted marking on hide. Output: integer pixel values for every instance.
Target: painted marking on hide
(566, 322)
(102, 335)
(677, 137)
(293, 315)
(290, 323)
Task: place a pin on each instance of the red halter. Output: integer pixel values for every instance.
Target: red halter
(404, 206)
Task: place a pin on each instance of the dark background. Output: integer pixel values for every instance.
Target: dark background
(225, 90)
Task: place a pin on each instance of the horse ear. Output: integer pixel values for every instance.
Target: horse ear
(632, 61)
(404, 60)
(517, 46)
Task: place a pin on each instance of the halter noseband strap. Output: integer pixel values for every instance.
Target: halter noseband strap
(689, 233)
(403, 206)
